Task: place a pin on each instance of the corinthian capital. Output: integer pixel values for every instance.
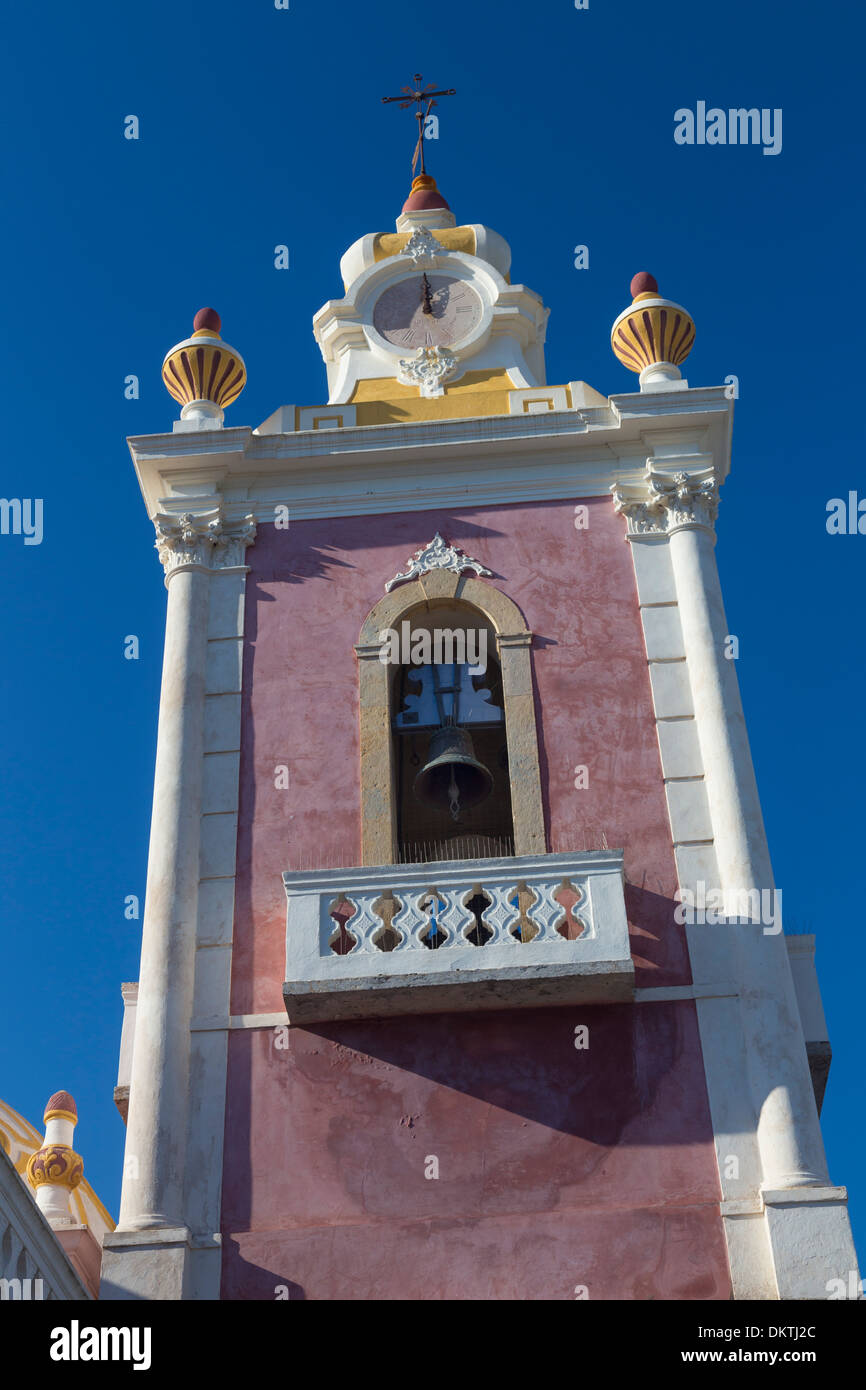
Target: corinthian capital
(206, 540)
(664, 502)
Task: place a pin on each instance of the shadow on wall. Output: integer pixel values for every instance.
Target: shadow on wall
(658, 942)
(247, 1282)
(523, 1063)
(282, 555)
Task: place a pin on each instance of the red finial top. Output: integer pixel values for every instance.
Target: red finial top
(61, 1100)
(209, 319)
(643, 283)
(424, 195)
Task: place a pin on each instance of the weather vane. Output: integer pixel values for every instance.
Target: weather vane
(420, 96)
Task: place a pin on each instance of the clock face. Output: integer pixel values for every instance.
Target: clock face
(427, 311)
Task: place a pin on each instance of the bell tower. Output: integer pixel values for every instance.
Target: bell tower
(462, 965)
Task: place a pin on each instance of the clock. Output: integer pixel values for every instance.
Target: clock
(427, 311)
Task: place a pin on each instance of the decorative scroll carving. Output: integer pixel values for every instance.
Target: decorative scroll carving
(437, 555)
(663, 502)
(57, 1164)
(422, 247)
(429, 369)
(205, 540)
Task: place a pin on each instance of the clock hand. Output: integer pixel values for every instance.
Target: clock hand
(426, 295)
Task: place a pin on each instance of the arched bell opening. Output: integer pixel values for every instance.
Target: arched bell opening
(501, 824)
(450, 744)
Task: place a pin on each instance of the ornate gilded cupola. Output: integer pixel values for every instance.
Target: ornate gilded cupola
(431, 326)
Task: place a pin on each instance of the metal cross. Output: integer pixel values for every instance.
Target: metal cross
(418, 96)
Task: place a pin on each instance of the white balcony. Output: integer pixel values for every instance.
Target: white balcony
(456, 935)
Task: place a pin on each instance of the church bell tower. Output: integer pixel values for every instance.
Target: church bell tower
(462, 965)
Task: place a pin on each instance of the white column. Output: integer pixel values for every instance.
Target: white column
(807, 1227)
(803, 1247)
(146, 1255)
(156, 1133)
(789, 1135)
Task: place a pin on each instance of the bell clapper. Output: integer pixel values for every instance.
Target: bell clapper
(454, 797)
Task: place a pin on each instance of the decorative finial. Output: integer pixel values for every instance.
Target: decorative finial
(203, 373)
(653, 336)
(643, 283)
(425, 208)
(61, 1104)
(55, 1169)
(207, 321)
(420, 97)
(424, 195)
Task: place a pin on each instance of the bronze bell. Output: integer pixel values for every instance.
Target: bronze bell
(452, 775)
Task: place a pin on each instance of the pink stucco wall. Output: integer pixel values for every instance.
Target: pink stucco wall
(551, 1159)
(557, 1167)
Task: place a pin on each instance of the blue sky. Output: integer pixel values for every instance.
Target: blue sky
(260, 127)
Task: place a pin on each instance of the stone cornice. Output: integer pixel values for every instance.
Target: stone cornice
(664, 502)
(204, 541)
(241, 442)
(355, 471)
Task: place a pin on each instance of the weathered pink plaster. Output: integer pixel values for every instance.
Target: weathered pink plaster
(557, 1167)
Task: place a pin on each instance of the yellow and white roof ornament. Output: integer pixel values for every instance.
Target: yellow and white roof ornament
(203, 373)
(58, 1175)
(653, 336)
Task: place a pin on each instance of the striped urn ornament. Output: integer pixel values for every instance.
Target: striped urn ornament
(653, 336)
(204, 369)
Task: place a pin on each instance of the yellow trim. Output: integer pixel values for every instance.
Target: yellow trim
(386, 401)
(60, 1115)
(17, 1128)
(388, 388)
(452, 238)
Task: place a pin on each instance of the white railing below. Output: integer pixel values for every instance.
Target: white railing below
(456, 935)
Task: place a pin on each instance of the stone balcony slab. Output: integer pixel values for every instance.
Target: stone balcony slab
(456, 935)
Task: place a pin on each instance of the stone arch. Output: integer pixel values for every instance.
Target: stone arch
(514, 640)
